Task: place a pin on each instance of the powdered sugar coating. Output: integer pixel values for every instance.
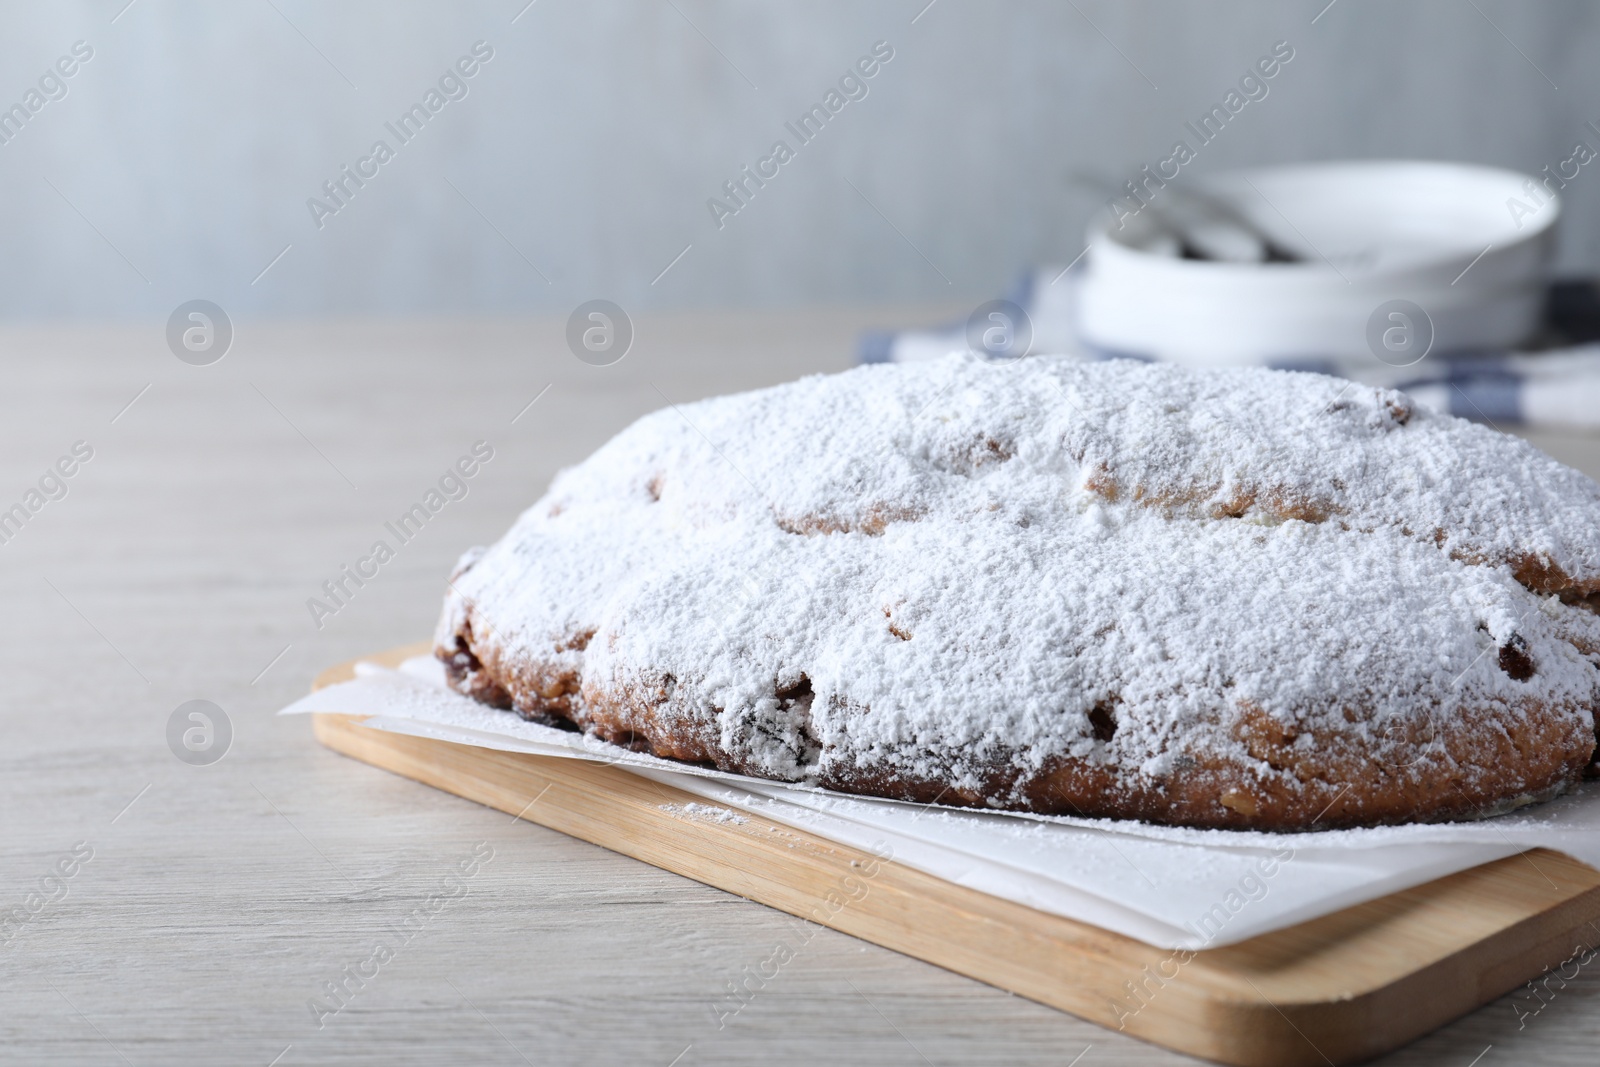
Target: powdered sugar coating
(974, 575)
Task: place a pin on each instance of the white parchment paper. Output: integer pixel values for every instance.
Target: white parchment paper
(1167, 886)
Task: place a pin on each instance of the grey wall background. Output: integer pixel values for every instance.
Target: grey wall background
(180, 161)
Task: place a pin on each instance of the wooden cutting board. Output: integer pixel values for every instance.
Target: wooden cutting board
(1338, 989)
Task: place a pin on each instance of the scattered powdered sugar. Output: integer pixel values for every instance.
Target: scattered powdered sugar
(938, 568)
(696, 810)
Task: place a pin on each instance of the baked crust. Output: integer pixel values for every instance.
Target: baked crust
(1246, 599)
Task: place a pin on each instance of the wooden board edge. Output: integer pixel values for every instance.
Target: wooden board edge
(1532, 941)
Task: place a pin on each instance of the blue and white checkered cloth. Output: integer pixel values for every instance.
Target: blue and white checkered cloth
(1553, 387)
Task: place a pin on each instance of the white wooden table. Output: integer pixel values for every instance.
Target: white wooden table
(220, 899)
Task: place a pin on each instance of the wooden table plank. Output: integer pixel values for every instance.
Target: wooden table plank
(216, 905)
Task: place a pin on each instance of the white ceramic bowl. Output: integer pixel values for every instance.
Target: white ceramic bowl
(1366, 234)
